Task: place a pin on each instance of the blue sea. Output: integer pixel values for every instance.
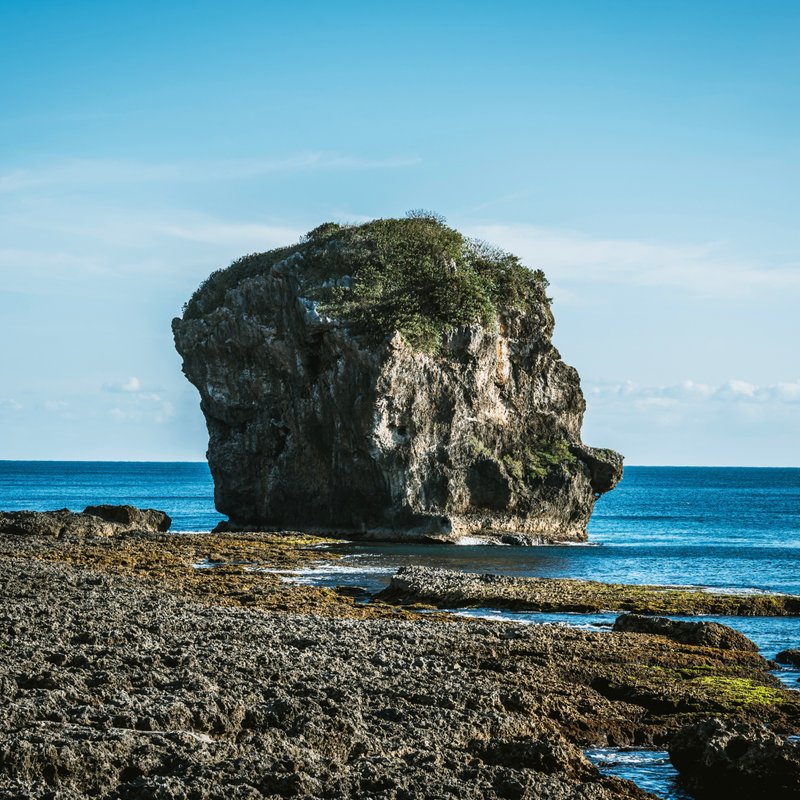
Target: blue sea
(722, 529)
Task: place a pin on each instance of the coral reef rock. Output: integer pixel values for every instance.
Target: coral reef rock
(103, 520)
(702, 634)
(790, 656)
(729, 760)
(390, 380)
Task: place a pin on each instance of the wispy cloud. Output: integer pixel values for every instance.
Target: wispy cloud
(9, 404)
(130, 385)
(159, 413)
(135, 404)
(688, 392)
(570, 257)
(219, 232)
(83, 173)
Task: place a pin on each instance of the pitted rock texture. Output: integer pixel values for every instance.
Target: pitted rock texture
(105, 520)
(724, 759)
(127, 672)
(790, 656)
(118, 690)
(316, 425)
(702, 634)
(454, 589)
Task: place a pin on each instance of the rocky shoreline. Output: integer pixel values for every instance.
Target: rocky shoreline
(449, 589)
(131, 673)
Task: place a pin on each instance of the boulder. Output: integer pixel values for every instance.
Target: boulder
(94, 521)
(702, 634)
(731, 760)
(791, 657)
(131, 517)
(390, 380)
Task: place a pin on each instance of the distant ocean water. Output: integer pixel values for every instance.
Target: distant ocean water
(725, 528)
(183, 489)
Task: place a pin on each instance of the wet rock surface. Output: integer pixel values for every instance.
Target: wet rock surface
(127, 672)
(722, 759)
(104, 520)
(315, 423)
(791, 656)
(703, 634)
(450, 589)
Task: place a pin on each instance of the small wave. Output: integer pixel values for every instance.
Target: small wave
(329, 545)
(612, 756)
(477, 541)
(327, 569)
(207, 564)
(322, 574)
(579, 544)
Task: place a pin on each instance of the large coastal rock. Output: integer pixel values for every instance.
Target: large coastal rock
(392, 379)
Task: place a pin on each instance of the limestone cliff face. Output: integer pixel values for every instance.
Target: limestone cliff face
(315, 425)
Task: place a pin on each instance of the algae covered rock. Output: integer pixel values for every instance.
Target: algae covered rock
(701, 634)
(105, 520)
(393, 379)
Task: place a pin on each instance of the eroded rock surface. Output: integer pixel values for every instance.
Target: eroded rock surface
(128, 672)
(790, 656)
(105, 520)
(322, 415)
(162, 696)
(702, 634)
(725, 759)
(453, 589)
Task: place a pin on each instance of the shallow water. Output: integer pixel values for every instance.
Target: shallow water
(649, 769)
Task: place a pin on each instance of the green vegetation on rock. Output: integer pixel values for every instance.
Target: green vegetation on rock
(537, 461)
(531, 464)
(414, 275)
(732, 693)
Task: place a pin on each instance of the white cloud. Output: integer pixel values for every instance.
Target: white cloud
(130, 385)
(11, 404)
(143, 407)
(570, 257)
(687, 392)
(82, 173)
(739, 390)
(238, 234)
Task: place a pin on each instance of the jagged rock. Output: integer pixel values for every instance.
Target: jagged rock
(93, 521)
(791, 656)
(455, 589)
(146, 519)
(729, 760)
(392, 379)
(702, 634)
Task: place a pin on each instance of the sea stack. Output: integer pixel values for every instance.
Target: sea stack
(392, 380)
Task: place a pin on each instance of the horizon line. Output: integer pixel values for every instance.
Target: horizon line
(204, 461)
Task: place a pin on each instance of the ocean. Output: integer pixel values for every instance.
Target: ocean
(730, 529)
(725, 528)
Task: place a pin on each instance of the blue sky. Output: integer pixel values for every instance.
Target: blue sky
(645, 155)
